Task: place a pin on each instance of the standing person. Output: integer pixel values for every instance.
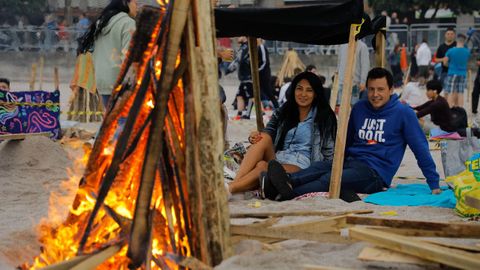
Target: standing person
(457, 60)
(379, 130)
(424, 57)
(301, 131)
(109, 38)
(245, 89)
(476, 89)
(265, 73)
(442, 51)
(362, 65)
(394, 60)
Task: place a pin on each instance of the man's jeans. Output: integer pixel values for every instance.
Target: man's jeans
(356, 176)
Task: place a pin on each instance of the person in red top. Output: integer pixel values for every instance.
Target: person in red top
(63, 35)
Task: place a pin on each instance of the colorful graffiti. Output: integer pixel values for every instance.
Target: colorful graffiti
(30, 112)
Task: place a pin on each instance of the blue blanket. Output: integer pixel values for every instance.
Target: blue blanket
(413, 195)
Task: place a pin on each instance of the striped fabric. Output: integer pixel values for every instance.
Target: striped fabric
(84, 74)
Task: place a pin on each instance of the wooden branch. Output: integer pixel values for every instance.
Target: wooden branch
(444, 228)
(21, 136)
(297, 213)
(337, 168)
(469, 248)
(334, 91)
(412, 246)
(253, 50)
(137, 250)
(93, 261)
(68, 264)
(380, 59)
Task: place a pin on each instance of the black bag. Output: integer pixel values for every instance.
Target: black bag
(459, 118)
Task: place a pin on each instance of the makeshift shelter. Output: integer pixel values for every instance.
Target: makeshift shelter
(326, 23)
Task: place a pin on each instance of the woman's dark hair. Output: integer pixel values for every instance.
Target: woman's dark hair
(325, 117)
(112, 9)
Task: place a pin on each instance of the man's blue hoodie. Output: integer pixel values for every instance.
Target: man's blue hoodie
(379, 138)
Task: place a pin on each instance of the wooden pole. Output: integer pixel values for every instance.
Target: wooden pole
(207, 195)
(252, 47)
(56, 79)
(337, 169)
(33, 77)
(334, 92)
(380, 59)
(42, 64)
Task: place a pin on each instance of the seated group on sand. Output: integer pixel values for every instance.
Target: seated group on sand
(293, 155)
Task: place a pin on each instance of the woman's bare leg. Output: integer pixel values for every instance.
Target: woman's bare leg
(262, 150)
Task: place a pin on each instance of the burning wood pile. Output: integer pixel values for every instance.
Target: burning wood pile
(153, 198)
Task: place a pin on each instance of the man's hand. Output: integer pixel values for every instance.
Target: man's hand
(436, 191)
(362, 87)
(255, 137)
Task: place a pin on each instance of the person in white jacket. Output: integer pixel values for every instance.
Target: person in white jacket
(424, 57)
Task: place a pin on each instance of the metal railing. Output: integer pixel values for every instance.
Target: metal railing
(32, 38)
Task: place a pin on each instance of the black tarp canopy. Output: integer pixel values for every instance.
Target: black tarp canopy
(325, 23)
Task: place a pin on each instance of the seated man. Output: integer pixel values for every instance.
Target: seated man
(4, 84)
(437, 107)
(379, 130)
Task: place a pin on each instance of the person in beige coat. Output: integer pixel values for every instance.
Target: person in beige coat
(109, 38)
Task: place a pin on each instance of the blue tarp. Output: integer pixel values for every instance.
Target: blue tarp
(413, 195)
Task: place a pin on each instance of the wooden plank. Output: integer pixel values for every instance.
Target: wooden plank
(317, 230)
(334, 92)
(337, 168)
(450, 229)
(56, 79)
(321, 267)
(267, 240)
(419, 232)
(252, 48)
(472, 202)
(68, 264)
(415, 247)
(469, 248)
(297, 213)
(385, 255)
(380, 59)
(21, 136)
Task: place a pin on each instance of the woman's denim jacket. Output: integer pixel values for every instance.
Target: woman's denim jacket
(322, 148)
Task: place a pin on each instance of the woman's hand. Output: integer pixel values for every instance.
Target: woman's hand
(255, 137)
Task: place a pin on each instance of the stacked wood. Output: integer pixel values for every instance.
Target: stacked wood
(291, 61)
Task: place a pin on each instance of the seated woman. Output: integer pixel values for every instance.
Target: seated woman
(301, 131)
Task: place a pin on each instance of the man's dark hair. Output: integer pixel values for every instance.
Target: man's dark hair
(435, 85)
(378, 73)
(5, 80)
(450, 29)
(461, 37)
(310, 67)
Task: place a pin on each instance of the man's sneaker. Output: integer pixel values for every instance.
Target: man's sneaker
(267, 190)
(280, 180)
(245, 117)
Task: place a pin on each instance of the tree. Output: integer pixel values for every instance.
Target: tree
(406, 6)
